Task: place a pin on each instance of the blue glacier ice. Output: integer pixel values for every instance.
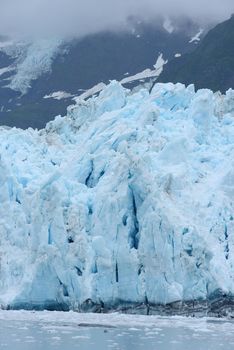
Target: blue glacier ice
(128, 200)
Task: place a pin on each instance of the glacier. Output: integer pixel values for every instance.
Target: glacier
(32, 59)
(124, 204)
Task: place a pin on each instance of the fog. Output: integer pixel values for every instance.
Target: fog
(81, 17)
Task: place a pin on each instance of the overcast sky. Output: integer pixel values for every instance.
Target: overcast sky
(80, 17)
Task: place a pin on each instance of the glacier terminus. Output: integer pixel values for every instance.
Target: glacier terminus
(124, 204)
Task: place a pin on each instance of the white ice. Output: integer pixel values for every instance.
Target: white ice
(196, 38)
(59, 95)
(32, 60)
(127, 198)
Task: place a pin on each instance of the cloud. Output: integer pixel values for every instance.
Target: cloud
(80, 17)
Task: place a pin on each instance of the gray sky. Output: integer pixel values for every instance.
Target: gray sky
(80, 17)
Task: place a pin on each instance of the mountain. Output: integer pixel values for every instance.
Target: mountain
(211, 65)
(59, 70)
(126, 203)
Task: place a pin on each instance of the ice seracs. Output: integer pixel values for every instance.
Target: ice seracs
(126, 201)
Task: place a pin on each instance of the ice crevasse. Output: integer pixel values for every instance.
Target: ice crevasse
(127, 201)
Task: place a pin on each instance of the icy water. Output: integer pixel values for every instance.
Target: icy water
(44, 332)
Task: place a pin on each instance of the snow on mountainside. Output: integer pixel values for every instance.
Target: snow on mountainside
(197, 37)
(29, 71)
(34, 62)
(32, 59)
(128, 200)
(211, 65)
(140, 77)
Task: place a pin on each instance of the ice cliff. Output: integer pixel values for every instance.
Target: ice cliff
(126, 201)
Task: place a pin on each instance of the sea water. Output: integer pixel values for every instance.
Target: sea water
(45, 331)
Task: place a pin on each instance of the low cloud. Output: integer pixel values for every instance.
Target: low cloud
(81, 17)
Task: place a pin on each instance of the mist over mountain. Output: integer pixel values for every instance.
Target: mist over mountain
(39, 78)
(211, 65)
(65, 18)
(52, 51)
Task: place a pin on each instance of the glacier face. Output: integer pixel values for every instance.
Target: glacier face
(126, 200)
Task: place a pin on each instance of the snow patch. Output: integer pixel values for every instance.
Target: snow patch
(196, 38)
(147, 73)
(6, 69)
(4, 44)
(90, 92)
(168, 26)
(34, 60)
(59, 95)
